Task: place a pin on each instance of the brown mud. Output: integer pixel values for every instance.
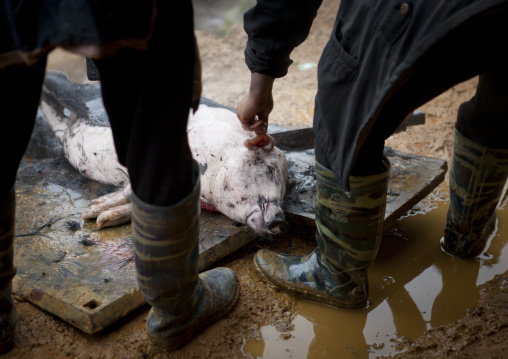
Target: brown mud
(423, 303)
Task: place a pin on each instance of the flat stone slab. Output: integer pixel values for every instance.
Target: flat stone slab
(87, 277)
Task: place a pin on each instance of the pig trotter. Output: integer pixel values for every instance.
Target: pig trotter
(108, 202)
(115, 216)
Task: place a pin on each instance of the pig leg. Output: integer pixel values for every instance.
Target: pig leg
(115, 216)
(126, 193)
(107, 202)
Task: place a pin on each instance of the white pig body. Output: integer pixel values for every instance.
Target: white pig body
(247, 186)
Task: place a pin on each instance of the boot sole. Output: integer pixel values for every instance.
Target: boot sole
(301, 294)
(173, 342)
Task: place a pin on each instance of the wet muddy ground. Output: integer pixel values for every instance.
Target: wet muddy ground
(423, 303)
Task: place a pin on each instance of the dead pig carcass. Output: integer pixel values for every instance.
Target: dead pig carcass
(247, 186)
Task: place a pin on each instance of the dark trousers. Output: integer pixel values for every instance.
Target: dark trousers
(483, 119)
(147, 96)
(469, 50)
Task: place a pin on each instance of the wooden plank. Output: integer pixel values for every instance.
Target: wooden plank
(412, 178)
(86, 276)
(65, 265)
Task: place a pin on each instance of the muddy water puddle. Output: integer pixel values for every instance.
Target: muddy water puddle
(414, 286)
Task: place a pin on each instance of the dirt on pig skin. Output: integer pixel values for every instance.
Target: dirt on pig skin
(482, 333)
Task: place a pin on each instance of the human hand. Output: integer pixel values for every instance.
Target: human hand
(254, 110)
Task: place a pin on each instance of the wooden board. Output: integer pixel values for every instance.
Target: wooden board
(65, 265)
(411, 179)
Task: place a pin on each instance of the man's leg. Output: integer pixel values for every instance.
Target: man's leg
(348, 233)
(20, 88)
(479, 167)
(148, 97)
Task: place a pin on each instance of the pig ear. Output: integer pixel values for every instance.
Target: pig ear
(264, 141)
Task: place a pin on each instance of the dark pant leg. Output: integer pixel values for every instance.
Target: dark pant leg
(484, 118)
(369, 158)
(20, 90)
(148, 95)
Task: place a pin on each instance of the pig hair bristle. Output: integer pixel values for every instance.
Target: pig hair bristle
(72, 225)
(126, 262)
(86, 241)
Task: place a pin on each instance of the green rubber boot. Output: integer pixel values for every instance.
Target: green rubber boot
(477, 177)
(166, 255)
(7, 271)
(348, 234)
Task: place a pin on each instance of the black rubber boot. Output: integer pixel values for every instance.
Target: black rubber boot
(7, 270)
(166, 253)
(348, 233)
(477, 177)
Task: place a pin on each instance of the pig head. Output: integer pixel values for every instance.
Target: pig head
(246, 185)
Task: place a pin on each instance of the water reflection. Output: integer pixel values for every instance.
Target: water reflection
(414, 286)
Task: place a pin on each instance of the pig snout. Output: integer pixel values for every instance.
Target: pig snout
(267, 220)
(278, 226)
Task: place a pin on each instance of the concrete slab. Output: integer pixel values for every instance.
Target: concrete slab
(87, 276)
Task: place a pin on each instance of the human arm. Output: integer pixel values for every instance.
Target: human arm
(253, 111)
(274, 29)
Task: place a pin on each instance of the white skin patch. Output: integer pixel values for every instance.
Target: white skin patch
(91, 151)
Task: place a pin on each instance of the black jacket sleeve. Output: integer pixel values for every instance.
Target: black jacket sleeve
(274, 29)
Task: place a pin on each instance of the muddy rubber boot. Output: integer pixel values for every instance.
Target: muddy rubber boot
(166, 255)
(7, 270)
(348, 234)
(477, 177)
